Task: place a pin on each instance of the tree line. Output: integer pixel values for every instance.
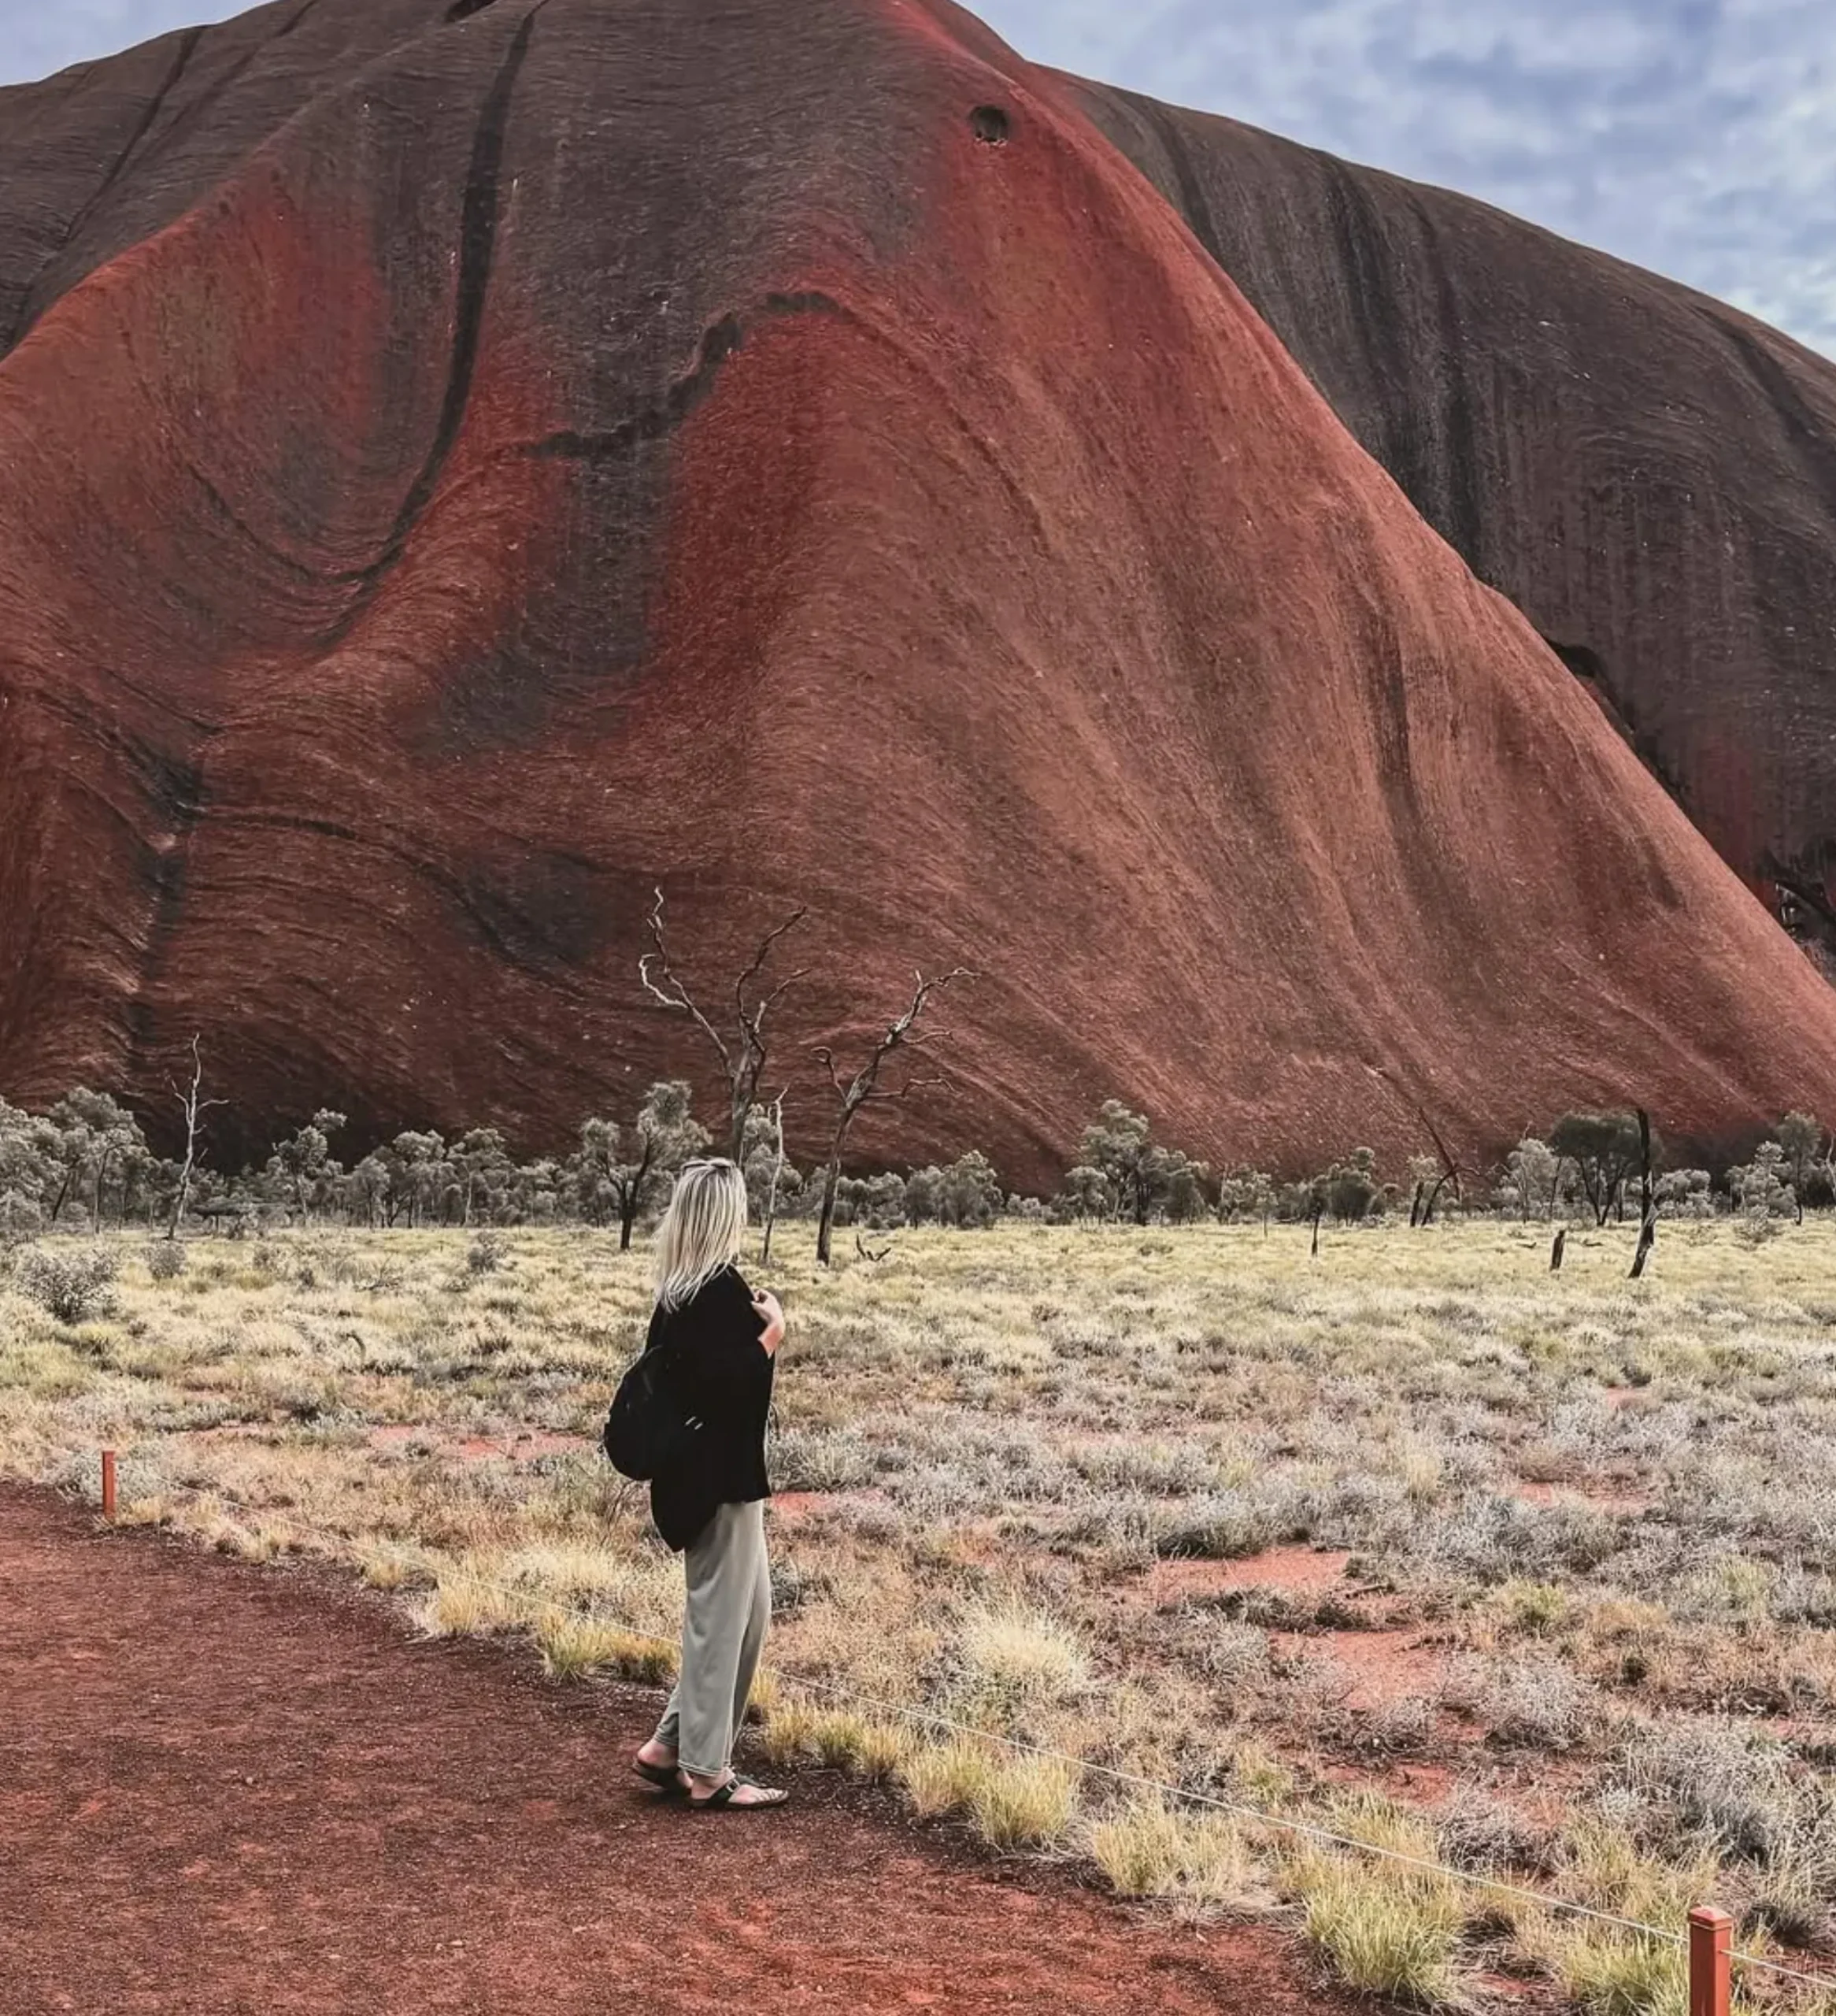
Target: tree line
(85, 1163)
(86, 1160)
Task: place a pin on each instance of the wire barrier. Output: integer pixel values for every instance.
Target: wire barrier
(1708, 1939)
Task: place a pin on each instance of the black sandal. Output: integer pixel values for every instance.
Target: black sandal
(666, 1777)
(721, 1799)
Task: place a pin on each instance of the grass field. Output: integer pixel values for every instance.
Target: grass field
(1532, 1575)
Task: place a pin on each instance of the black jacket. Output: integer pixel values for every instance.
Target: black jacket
(714, 1368)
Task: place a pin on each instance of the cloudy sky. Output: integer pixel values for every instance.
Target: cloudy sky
(1695, 136)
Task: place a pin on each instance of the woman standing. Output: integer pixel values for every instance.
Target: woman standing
(719, 1342)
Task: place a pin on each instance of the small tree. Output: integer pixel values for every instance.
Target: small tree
(967, 1193)
(92, 1134)
(1535, 1178)
(1761, 1188)
(876, 1201)
(1351, 1189)
(865, 1088)
(366, 1189)
(1246, 1194)
(28, 1164)
(417, 1167)
(485, 1169)
(533, 1192)
(302, 1161)
(1685, 1193)
(1606, 1149)
(1086, 1193)
(742, 1059)
(1183, 1185)
(625, 1178)
(770, 1180)
(1801, 1140)
(1145, 1179)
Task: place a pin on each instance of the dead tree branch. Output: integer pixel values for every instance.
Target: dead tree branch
(742, 1058)
(865, 1088)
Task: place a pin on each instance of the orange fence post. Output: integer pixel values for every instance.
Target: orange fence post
(108, 1491)
(1711, 1961)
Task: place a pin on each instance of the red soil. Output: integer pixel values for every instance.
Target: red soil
(1628, 1504)
(792, 1507)
(422, 531)
(522, 1446)
(226, 1789)
(1382, 1667)
(1292, 1570)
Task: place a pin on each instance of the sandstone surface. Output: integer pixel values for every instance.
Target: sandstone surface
(463, 467)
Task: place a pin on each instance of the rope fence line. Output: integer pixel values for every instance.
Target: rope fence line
(1708, 1939)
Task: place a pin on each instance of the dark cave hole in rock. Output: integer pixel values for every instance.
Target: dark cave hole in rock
(463, 9)
(991, 125)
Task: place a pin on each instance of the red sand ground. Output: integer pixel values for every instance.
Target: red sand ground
(1292, 1570)
(521, 1445)
(1381, 1667)
(231, 1792)
(453, 476)
(1627, 1504)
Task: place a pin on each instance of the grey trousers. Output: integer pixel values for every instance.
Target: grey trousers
(724, 1627)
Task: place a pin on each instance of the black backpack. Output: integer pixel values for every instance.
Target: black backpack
(646, 1434)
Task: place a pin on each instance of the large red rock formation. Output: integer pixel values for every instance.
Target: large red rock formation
(462, 467)
(1650, 475)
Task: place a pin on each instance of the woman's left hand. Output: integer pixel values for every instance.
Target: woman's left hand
(766, 1303)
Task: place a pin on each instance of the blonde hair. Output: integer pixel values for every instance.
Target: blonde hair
(702, 1230)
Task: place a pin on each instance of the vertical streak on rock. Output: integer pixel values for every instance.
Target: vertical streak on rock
(1378, 309)
(205, 100)
(1462, 522)
(188, 43)
(478, 232)
(178, 794)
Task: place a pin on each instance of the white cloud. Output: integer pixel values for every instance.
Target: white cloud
(1695, 137)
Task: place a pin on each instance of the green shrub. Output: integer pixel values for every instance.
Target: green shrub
(165, 1259)
(73, 1287)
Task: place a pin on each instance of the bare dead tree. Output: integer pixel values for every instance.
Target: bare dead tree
(777, 1113)
(864, 1088)
(743, 1057)
(1647, 1239)
(1421, 1209)
(1647, 1203)
(193, 1107)
(1450, 1172)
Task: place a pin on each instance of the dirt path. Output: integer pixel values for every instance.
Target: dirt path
(229, 1788)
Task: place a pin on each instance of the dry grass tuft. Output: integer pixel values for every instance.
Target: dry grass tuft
(574, 1648)
(1024, 1802)
(1152, 1847)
